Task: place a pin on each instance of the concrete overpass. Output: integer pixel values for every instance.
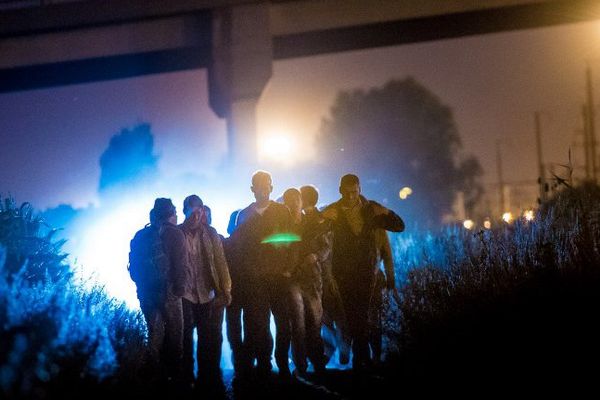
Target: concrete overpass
(48, 43)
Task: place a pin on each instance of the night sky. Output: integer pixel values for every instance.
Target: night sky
(51, 139)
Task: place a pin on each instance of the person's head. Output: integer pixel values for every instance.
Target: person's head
(350, 189)
(207, 215)
(262, 186)
(163, 211)
(292, 198)
(193, 208)
(310, 196)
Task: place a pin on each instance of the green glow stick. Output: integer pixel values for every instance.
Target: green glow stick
(282, 238)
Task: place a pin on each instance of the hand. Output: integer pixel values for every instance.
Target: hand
(223, 299)
(227, 298)
(330, 213)
(311, 259)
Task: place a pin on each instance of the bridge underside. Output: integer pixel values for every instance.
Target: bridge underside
(186, 53)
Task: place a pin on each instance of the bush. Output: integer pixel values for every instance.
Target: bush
(56, 338)
(515, 303)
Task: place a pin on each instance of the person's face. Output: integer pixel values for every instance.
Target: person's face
(194, 215)
(294, 203)
(262, 190)
(350, 194)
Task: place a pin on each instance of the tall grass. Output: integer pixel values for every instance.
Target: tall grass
(499, 305)
(56, 339)
(517, 300)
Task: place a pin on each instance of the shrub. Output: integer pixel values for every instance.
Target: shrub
(55, 337)
(517, 301)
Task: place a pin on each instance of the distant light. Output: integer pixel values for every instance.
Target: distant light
(405, 192)
(277, 147)
(468, 224)
(507, 217)
(529, 215)
(487, 224)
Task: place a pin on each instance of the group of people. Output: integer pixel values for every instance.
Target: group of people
(314, 270)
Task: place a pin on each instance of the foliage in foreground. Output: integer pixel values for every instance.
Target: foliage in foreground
(55, 337)
(506, 305)
(513, 303)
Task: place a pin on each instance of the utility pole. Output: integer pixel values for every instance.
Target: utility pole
(586, 142)
(500, 177)
(591, 116)
(541, 170)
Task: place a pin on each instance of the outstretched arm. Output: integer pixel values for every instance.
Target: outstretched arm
(385, 218)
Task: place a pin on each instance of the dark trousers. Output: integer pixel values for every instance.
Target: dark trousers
(305, 314)
(356, 292)
(164, 320)
(271, 294)
(237, 330)
(335, 329)
(207, 319)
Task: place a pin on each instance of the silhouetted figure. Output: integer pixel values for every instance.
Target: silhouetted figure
(333, 316)
(240, 292)
(207, 293)
(157, 264)
(354, 260)
(262, 263)
(306, 286)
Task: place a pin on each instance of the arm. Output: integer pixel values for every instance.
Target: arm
(385, 218)
(324, 243)
(221, 265)
(174, 239)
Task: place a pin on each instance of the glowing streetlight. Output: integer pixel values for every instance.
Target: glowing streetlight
(507, 217)
(277, 147)
(468, 224)
(529, 215)
(405, 192)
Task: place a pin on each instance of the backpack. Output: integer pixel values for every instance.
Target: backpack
(148, 262)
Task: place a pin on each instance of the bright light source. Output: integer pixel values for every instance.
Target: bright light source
(507, 217)
(529, 215)
(487, 224)
(104, 249)
(405, 192)
(277, 147)
(468, 224)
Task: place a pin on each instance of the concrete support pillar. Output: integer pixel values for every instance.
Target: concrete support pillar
(241, 66)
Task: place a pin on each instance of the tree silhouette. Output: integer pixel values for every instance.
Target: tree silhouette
(400, 135)
(129, 158)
